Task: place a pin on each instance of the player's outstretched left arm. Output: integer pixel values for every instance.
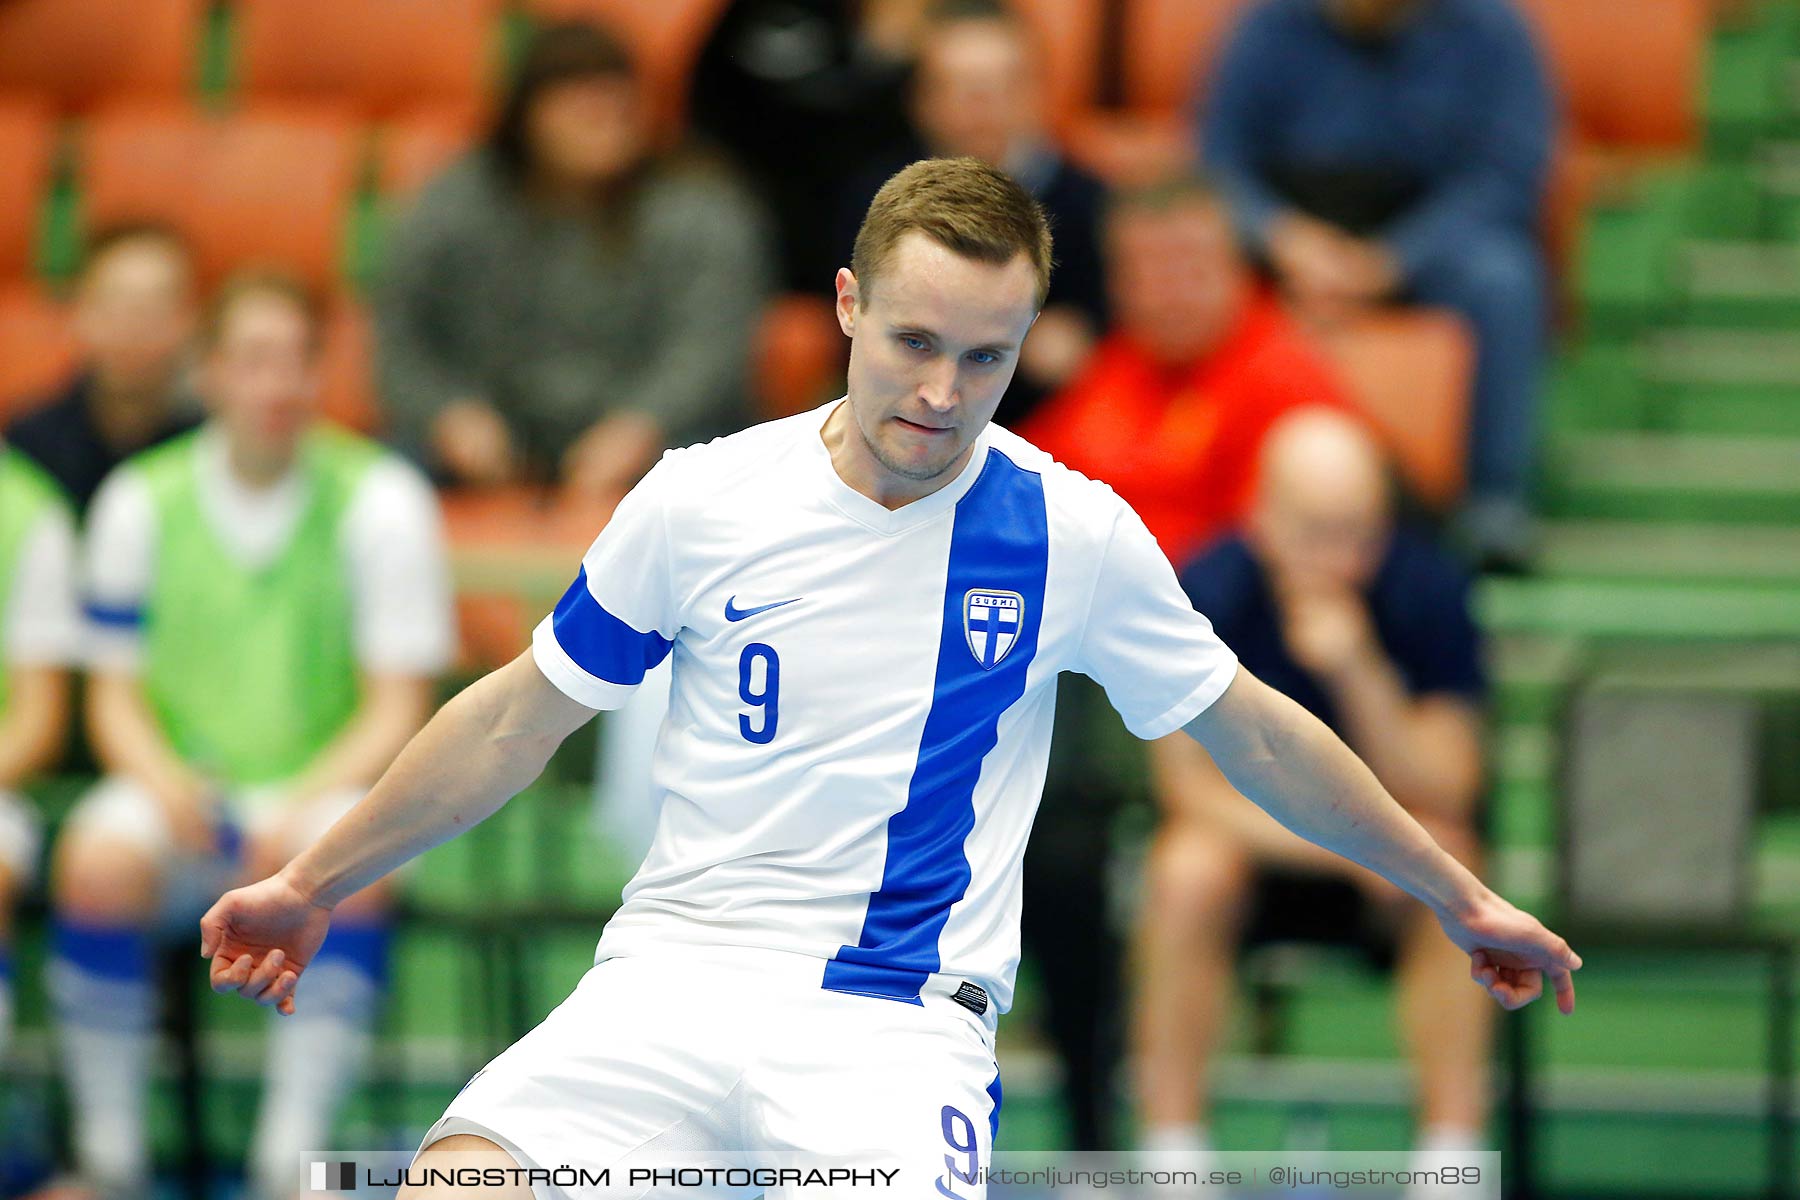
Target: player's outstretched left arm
(1293, 766)
(479, 751)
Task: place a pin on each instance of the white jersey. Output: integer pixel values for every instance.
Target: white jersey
(862, 698)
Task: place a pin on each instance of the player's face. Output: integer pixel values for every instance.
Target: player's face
(1177, 278)
(932, 349)
(262, 376)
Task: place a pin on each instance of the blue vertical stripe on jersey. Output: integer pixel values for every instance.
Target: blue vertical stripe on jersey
(601, 644)
(994, 1094)
(1000, 541)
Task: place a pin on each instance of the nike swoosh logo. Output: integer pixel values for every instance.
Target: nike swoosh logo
(733, 613)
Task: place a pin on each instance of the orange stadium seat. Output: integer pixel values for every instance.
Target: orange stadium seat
(37, 347)
(82, 52)
(1631, 71)
(1170, 47)
(410, 151)
(347, 364)
(27, 147)
(269, 186)
(1410, 371)
(797, 356)
(382, 56)
(666, 36)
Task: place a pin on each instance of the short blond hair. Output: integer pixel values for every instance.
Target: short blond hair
(962, 204)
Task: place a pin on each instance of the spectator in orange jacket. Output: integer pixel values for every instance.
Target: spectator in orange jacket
(1199, 363)
(1170, 410)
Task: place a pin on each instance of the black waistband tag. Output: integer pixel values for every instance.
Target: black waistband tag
(971, 998)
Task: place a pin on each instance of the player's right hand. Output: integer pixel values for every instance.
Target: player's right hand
(260, 938)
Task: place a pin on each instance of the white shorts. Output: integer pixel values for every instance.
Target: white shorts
(738, 1057)
(122, 809)
(21, 837)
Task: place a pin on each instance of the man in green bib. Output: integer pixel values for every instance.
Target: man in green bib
(267, 606)
(38, 633)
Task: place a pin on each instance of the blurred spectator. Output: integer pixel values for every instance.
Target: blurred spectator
(1199, 362)
(1398, 149)
(1170, 410)
(789, 87)
(1369, 629)
(134, 316)
(978, 91)
(268, 603)
(37, 644)
(561, 303)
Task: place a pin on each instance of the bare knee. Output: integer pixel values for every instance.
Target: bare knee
(1196, 880)
(460, 1151)
(102, 878)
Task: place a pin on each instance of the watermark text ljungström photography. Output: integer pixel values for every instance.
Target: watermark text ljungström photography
(1365, 1175)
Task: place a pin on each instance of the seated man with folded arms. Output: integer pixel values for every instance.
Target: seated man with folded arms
(38, 630)
(1368, 627)
(268, 604)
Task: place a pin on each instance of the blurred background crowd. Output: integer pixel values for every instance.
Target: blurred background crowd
(1449, 348)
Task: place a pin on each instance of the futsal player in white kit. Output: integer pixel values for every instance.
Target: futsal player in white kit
(867, 607)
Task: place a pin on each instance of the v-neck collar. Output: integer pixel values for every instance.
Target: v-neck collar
(879, 517)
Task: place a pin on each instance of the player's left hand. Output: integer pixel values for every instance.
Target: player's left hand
(1511, 953)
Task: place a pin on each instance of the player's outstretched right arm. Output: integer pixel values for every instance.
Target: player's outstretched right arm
(1285, 760)
(479, 751)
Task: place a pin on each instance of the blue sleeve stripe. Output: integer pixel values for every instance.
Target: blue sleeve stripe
(115, 616)
(601, 644)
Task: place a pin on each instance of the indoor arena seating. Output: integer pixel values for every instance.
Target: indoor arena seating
(76, 53)
(1671, 488)
(384, 58)
(268, 184)
(37, 346)
(28, 147)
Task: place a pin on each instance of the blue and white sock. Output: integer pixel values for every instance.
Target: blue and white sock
(317, 1055)
(100, 988)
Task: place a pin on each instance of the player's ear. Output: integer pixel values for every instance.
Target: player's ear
(847, 297)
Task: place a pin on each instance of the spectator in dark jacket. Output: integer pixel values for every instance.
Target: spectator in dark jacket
(1366, 625)
(787, 87)
(978, 91)
(1382, 149)
(135, 314)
